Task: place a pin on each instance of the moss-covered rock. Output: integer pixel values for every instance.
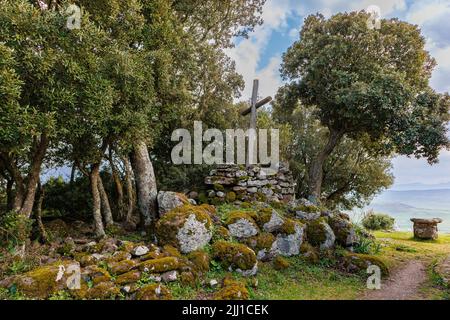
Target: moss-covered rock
(230, 196)
(123, 266)
(187, 278)
(262, 241)
(343, 229)
(119, 256)
(354, 262)
(232, 290)
(309, 253)
(154, 291)
(320, 234)
(170, 251)
(200, 260)
(160, 265)
(280, 263)
(102, 291)
(235, 256)
(95, 274)
(188, 228)
(221, 233)
(129, 277)
(44, 281)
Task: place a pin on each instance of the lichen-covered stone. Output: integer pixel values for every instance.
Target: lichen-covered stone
(153, 292)
(159, 265)
(168, 200)
(305, 210)
(242, 225)
(289, 239)
(236, 256)
(273, 221)
(320, 234)
(140, 251)
(187, 228)
(170, 276)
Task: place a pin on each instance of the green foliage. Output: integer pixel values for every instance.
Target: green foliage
(64, 198)
(367, 246)
(363, 83)
(378, 221)
(14, 229)
(352, 175)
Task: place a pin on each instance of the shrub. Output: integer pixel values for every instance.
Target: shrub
(14, 228)
(378, 221)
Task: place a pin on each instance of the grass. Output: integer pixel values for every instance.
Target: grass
(305, 281)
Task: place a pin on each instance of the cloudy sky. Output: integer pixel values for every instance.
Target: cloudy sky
(260, 56)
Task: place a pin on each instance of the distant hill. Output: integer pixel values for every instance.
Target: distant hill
(406, 204)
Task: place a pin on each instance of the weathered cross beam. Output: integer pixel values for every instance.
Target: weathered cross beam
(259, 104)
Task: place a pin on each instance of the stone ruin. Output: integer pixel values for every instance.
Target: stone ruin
(237, 183)
(426, 229)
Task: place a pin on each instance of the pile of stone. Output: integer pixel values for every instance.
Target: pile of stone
(426, 229)
(233, 182)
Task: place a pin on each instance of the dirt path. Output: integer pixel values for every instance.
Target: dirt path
(403, 284)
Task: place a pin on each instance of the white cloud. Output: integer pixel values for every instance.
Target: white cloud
(248, 52)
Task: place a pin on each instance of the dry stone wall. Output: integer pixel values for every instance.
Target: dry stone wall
(233, 182)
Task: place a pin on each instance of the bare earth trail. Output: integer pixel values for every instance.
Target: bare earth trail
(403, 284)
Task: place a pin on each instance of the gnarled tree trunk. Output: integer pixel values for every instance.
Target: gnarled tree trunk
(120, 206)
(96, 206)
(106, 207)
(129, 189)
(316, 169)
(145, 185)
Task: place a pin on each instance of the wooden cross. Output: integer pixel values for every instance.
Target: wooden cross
(255, 105)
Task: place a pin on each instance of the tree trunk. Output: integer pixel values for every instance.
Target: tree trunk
(98, 224)
(9, 195)
(33, 177)
(145, 185)
(119, 188)
(72, 174)
(106, 207)
(316, 169)
(41, 194)
(129, 188)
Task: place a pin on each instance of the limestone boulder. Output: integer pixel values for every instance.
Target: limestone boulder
(168, 200)
(289, 239)
(187, 228)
